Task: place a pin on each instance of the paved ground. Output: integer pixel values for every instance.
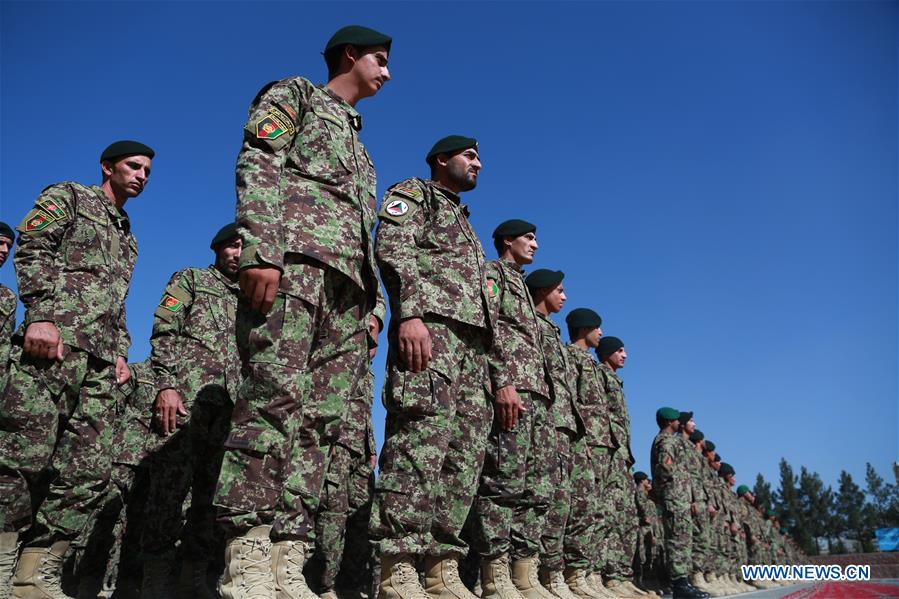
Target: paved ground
(876, 589)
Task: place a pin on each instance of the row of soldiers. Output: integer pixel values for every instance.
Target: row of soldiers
(692, 524)
(501, 441)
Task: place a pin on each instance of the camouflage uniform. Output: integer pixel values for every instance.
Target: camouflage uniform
(617, 529)
(74, 262)
(7, 326)
(306, 205)
(566, 540)
(701, 552)
(432, 264)
(514, 492)
(647, 541)
(194, 353)
(348, 491)
(672, 481)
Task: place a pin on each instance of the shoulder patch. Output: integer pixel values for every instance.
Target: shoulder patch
(408, 191)
(397, 208)
(35, 221)
(274, 125)
(492, 288)
(171, 303)
(52, 208)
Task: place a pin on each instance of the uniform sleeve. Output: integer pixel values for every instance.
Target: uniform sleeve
(498, 357)
(124, 337)
(37, 260)
(396, 249)
(268, 135)
(168, 326)
(7, 324)
(380, 310)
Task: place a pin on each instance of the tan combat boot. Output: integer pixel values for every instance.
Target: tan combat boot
(618, 589)
(576, 579)
(288, 559)
(248, 566)
(157, 582)
(594, 579)
(192, 580)
(629, 585)
(554, 582)
(525, 577)
(39, 572)
(399, 579)
(442, 578)
(9, 551)
(496, 579)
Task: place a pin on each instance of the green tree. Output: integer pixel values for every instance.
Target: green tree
(853, 519)
(884, 500)
(816, 504)
(789, 507)
(763, 493)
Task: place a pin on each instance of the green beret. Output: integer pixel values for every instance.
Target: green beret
(709, 446)
(685, 417)
(543, 278)
(126, 147)
(696, 436)
(725, 469)
(639, 476)
(513, 228)
(450, 144)
(6, 231)
(770, 513)
(783, 531)
(226, 233)
(357, 35)
(583, 318)
(667, 414)
(717, 458)
(608, 346)
(742, 489)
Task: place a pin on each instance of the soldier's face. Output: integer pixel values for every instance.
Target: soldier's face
(555, 299)
(617, 359)
(523, 248)
(593, 338)
(128, 175)
(689, 427)
(370, 69)
(227, 257)
(5, 245)
(462, 169)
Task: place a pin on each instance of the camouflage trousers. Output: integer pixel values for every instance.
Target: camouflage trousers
(80, 393)
(341, 525)
(301, 361)
(701, 552)
(187, 465)
(617, 522)
(678, 534)
(567, 537)
(435, 438)
(515, 487)
(645, 553)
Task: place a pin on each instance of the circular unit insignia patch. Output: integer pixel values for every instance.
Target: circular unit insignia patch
(397, 208)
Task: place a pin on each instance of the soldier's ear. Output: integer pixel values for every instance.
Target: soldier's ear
(106, 168)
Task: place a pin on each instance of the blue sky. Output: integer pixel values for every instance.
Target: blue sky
(717, 180)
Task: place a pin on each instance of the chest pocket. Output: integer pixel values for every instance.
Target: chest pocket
(209, 318)
(87, 242)
(323, 148)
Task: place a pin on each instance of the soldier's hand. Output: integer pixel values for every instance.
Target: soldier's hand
(693, 509)
(507, 406)
(374, 329)
(260, 285)
(373, 460)
(415, 344)
(42, 340)
(712, 509)
(122, 372)
(168, 407)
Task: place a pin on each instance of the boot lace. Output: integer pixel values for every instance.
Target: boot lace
(49, 573)
(256, 572)
(406, 576)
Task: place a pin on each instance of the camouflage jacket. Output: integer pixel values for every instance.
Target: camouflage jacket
(693, 462)
(562, 378)
(646, 511)
(517, 356)
(711, 484)
(668, 473)
(591, 400)
(74, 262)
(430, 258)
(194, 339)
(619, 420)
(7, 326)
(305, 183)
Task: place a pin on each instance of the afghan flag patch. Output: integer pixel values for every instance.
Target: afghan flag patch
(274, 125)
(397, 208)
(410, 192)
(53, 209)
(37, 220)
(492, 288)
(171, 303)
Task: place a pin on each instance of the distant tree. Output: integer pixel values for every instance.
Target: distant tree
(789, 506)
(816, 504)
(762, 492)
(838, 547)
(854, 520)
(883, 506)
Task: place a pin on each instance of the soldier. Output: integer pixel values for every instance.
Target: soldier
(647, 543)
(559, 545)
(702, 508)
(74, 262)
(197, 371)
(588, 489)
(305, 209)
(438, 410)
(673, 483)
(719, 528)
(733, 530)
(7, 303)
(514, 492)
(618, 521)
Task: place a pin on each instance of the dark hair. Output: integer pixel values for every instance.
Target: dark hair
(332, 59)
(500, 244)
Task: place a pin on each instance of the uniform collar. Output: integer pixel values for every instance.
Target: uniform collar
(353, 116)
(116, 213)
(233, 285)
(512, 265)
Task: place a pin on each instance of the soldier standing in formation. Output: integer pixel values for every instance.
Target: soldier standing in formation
(438, 411)
(7, 302)
(305, 210)
(74, 262)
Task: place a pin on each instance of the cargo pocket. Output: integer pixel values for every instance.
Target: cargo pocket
(253, 469)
